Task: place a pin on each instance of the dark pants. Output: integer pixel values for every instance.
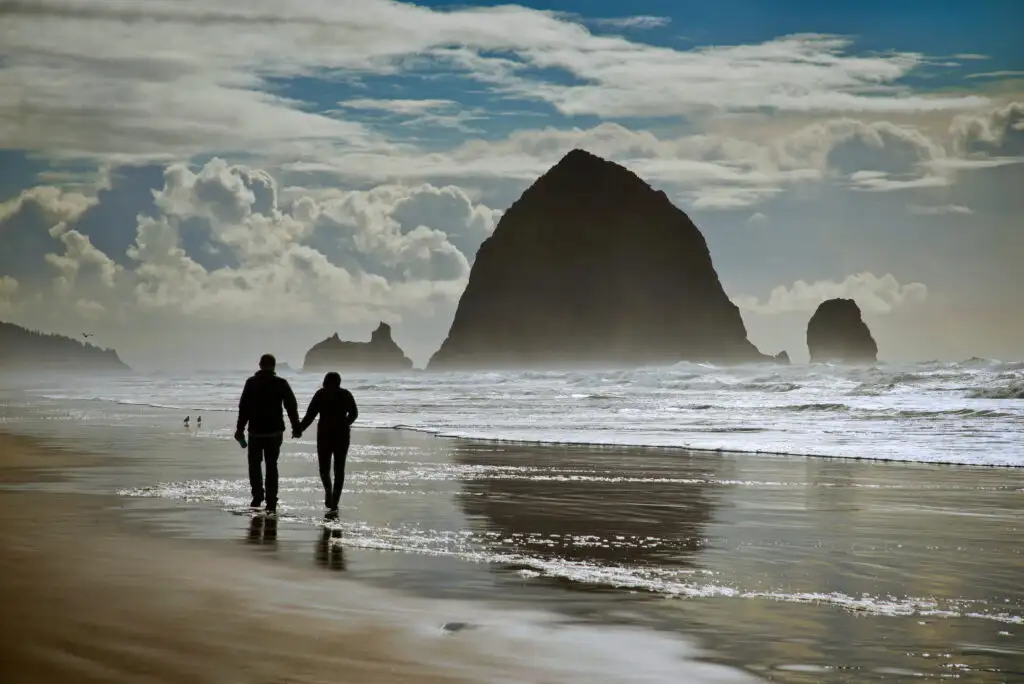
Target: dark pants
(336, 446)
(264, 449)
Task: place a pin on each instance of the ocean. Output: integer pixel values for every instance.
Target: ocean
(968, 413)
(802, 524)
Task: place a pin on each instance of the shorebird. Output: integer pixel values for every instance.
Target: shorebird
(186, 421)
(199, 421)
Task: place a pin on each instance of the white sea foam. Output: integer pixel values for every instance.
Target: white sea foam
(967, 413)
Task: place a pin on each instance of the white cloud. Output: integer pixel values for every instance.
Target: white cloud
(398, 106)
(640, 21)
(961, 164)
(873, 294)
(938, 209)
(175, 78)
(1006, 73)
(879, 181)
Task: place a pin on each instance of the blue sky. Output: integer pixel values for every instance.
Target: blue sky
(170, 168)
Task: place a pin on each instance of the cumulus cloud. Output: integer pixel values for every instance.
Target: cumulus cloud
(996, 132)
(872, 293)
(55, 204)
(352, 256)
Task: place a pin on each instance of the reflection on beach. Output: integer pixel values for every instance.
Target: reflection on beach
(578, 505)
(808, 568)
(262, 531)
(329, 553)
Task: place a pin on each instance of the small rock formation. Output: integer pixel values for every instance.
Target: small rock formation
(22, 349)
(379, 354)
(836, 332)
(593, 266)
(782, 358)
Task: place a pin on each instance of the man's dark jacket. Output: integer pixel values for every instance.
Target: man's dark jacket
(263, 398)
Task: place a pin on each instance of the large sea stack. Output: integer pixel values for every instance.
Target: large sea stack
(836, 332)
(379, 354)
(593, 266)
(26, 350)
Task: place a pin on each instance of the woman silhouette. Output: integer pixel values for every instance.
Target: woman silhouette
(337, 410)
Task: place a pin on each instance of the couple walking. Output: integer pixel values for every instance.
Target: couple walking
(264, 398)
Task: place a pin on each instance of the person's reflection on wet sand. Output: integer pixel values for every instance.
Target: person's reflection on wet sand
(328, 549)
(263, 531)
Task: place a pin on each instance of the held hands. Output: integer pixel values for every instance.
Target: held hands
(296, 433)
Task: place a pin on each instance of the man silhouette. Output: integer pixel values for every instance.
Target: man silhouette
(263, 398)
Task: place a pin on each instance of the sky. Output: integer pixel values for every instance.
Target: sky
(197, 182)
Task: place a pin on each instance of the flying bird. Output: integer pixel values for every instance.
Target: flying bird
(87, 335)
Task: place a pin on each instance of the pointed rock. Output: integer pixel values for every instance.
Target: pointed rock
(381, 353)
(593, 266)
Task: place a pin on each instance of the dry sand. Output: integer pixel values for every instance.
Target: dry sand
(86, 598)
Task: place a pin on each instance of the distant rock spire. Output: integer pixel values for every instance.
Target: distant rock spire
(379, 354)
(836, 332)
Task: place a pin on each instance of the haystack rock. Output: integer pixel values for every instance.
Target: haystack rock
(379, 354)
(593, 266)
(836, 332)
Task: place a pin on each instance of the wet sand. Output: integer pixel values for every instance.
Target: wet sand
(86, 598)
(566, 563)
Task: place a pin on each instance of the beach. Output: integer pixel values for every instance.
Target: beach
(129, 556)
(89, 598)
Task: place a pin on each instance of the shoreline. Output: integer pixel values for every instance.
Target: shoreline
(89, 598)
(596, 446)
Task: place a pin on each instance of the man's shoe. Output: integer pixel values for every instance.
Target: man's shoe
(256, 502)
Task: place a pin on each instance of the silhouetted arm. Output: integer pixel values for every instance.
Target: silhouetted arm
(244, 407)
(353, 411)
(291, 406)
(311, 412)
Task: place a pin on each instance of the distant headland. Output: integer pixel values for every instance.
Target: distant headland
(29, 350)
(593, 266)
